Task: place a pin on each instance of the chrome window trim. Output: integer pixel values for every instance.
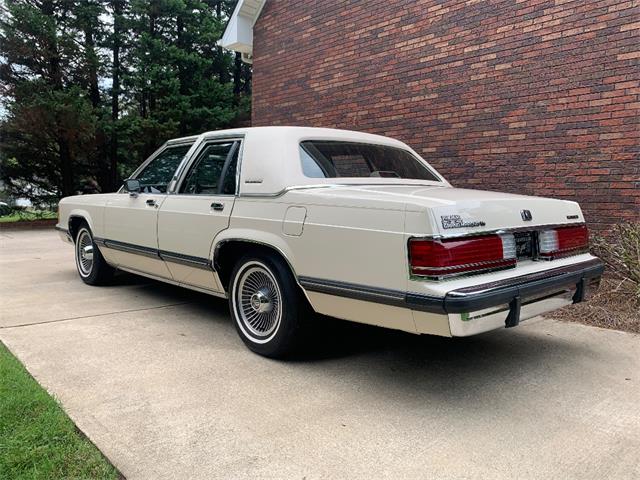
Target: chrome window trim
(166, 145)
(323, 185)
(192, 156)
(181, 140)
(285, 190)
(181, 166)
(415, 156)
(239, 165)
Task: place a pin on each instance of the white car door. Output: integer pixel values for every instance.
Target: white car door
(191, 217)
(131, 218)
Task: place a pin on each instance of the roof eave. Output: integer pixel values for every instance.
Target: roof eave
(238, 34)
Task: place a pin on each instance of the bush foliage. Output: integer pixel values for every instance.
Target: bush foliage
(620, 250)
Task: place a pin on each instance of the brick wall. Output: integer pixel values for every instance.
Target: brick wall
(531, 96)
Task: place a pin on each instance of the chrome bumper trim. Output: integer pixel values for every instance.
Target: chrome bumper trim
(545, 274)
(511, 291)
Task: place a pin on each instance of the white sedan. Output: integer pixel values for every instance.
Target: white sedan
(284, 221)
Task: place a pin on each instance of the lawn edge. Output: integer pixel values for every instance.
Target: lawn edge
(82, 434)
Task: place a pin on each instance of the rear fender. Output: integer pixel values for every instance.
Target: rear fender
(260, 238)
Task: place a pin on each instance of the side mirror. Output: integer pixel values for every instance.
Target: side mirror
(132, 186)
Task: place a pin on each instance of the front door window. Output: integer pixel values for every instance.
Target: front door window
(157, 175)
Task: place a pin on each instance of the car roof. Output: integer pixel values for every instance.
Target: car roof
(291, 132)
(271, 158)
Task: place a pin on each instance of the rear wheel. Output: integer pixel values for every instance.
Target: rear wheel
(91, 265)
(266, 305)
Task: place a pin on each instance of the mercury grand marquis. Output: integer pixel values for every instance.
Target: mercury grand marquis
(284, 221)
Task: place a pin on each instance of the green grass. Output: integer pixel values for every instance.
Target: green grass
(26, 216)
(37, 439)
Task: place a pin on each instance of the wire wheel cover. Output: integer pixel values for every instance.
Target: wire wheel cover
(84, 252)
(259, 301)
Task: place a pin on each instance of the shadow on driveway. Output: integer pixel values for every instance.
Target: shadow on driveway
(464, 370)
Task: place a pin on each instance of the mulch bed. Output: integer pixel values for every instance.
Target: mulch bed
(615, 305)
(28, 224)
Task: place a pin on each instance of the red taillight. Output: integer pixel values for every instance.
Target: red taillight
(563, 241)
(437, 258)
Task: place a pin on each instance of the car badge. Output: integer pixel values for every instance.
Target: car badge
(526, 215)
(456, 221)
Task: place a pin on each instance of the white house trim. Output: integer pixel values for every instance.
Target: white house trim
(238, 35)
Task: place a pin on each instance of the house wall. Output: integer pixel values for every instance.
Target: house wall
(533, 96)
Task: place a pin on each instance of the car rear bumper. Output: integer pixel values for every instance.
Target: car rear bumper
(471, 309)
(478, 297)
(505, 303)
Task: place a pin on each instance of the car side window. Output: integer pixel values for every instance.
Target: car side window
(214, 171)
(157, 175)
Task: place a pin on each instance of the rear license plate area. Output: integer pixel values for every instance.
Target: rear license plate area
(524, 244)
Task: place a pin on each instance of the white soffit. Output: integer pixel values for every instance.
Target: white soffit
(238, 35)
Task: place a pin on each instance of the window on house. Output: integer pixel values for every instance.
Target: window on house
(333, 159)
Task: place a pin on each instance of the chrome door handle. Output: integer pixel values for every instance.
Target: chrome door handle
(151, 202)
(217, 206)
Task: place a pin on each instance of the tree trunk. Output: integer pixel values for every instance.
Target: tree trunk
(66, 167)
(89, 22)
(237, 76)
(182, 71)
(92, 65)
(55, 80)
(115, 95)
(223, 75)
(150, 93)
(246, 74)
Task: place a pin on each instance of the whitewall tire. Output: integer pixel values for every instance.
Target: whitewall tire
(91, 265)
(266, 305)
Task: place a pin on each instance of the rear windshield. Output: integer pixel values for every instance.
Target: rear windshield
(332, 159)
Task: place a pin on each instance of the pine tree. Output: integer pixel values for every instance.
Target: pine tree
(92, 87)
(48, 124)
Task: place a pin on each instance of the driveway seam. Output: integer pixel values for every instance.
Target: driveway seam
(96, 315)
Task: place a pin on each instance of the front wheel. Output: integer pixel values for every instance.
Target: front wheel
(92, 267)
(266, 305)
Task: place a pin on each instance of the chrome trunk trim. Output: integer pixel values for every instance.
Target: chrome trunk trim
(494, 231)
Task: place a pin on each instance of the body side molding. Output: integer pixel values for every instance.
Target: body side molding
(395, 298)
(469, 299)
(174, 257)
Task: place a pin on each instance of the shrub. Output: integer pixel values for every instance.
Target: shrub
(620, 250)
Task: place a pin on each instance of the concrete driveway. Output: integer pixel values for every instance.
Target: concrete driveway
(158, 379)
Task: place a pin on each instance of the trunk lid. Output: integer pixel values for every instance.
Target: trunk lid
(458, 211)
